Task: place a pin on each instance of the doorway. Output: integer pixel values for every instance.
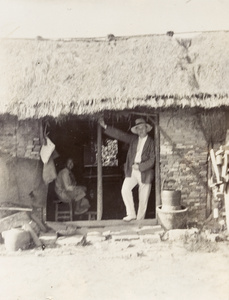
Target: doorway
(77, 138)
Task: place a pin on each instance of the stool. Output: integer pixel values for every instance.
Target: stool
(63, 211)
(91, 215)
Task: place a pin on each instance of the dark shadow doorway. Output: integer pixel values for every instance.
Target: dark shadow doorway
(77, 138)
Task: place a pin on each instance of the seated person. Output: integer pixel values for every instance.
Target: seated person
(67, 189)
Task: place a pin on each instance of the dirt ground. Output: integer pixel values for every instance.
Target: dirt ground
(117, 270)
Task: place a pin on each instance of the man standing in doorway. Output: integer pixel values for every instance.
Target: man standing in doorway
(138, 167)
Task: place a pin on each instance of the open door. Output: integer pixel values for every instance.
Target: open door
(101, 171)
(125, 124)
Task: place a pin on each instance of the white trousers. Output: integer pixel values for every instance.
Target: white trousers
(143, 195)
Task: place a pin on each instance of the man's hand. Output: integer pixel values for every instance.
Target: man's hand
(70, 188)
(135, 167)
(102, 123)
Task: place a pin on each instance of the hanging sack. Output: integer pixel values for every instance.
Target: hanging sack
(47, 150)
(49, 171)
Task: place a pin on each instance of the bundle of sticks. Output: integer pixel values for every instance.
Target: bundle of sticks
(220, 181)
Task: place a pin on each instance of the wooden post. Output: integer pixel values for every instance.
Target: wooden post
(209, 193)
(41, 137)
(99, 174)
(226, 199)
(157, 162)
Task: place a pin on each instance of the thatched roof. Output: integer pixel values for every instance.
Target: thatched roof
(52, 77)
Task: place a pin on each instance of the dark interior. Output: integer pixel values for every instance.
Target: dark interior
(77, 138)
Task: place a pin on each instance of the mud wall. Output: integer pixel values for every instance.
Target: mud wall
(20, 165)
(183, 157)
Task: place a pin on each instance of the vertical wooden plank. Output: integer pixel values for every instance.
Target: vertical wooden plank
(209, 192)
(99, 174)
(226, 199)
(157, 162)
(41, 137)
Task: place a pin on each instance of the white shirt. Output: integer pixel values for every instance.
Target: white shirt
(140, 146)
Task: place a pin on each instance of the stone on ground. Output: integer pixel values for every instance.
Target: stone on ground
(69, 240)
(16, 220)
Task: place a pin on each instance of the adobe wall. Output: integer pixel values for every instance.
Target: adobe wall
(183, 157)
(19, 138)
(20, 165)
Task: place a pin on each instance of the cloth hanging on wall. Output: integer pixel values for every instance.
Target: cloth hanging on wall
(47, 150)
(49, 171)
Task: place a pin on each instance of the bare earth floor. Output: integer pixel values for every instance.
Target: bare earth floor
(116, 270)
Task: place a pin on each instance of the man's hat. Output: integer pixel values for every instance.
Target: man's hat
(139, 122)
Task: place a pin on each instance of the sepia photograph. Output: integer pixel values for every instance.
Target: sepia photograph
(114, 149)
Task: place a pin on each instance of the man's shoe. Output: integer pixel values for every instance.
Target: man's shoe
(129, 218)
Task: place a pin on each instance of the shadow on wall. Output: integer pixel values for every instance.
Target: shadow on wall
(18, 178)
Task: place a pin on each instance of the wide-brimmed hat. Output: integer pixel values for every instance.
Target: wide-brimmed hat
(139, 122)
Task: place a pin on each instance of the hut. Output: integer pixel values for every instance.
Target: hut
(180, 84)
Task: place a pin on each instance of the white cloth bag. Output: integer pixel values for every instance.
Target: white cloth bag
(47, 150)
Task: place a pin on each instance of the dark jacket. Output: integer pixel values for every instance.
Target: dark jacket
(148, 155)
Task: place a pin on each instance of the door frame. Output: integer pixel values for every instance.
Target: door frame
(154, 118)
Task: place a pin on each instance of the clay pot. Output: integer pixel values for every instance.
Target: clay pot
(16, 239)
(171, 200)
(173, 219)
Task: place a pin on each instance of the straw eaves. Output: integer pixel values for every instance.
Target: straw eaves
(49, 77)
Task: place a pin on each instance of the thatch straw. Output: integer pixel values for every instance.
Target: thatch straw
(47, 77)
(210, 61)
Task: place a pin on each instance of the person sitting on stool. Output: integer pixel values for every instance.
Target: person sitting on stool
(67, 189)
